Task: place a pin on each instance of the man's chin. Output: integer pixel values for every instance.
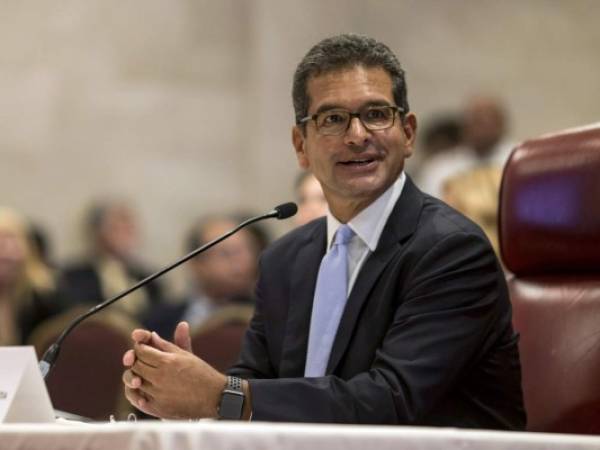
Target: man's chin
(365, 188)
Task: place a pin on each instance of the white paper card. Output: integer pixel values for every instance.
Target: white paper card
(23, 393)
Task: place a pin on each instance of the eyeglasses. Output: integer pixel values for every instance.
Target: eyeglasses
(335, 122)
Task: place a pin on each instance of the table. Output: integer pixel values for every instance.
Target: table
(155, 435)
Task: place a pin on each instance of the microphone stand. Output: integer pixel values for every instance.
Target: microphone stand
(48, 360)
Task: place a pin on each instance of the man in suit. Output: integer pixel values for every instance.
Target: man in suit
(221, 278)
(413, 326)
(110, 264)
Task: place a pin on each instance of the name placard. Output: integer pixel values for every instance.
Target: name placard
(23, 394)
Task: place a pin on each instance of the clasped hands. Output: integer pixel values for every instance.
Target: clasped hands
(167, 380)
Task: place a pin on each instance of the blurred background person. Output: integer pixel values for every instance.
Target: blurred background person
(42, 245)
(441, 133)
(310, 198)
(223, 276)
(27, 285)
(475, 193)
(485, 128)
(484, 144)
(111, 264)
(259, 232)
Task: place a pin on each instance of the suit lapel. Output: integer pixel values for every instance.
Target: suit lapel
(400, 226)
(303, 280)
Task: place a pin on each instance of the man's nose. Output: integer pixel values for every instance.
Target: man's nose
(356, 133)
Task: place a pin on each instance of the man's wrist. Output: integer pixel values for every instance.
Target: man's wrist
(247, 411)
(217, 399)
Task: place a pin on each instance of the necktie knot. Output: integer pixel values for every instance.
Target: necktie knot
(343, 235)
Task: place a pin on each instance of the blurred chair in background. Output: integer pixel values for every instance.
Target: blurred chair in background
(222, 276)
(550, 241)
(218, 340)
(27, 285)
(310, 198)
(86, 379)
(475, 194)
(111, 264)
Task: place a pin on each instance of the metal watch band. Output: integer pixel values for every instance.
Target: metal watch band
(234, 383)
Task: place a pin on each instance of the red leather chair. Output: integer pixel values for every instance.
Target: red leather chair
(549, 226)
(86, 379)
(218, 341)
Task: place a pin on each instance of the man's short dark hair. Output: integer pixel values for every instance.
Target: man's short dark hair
(343, 52)
(196, 235)
(100, 209)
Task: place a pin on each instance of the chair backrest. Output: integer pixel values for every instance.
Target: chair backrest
(549, 223)
(86, 379)
(218, 341)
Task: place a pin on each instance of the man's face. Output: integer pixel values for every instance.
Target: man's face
(484, 124)
(227, 271)
(118, 233)
(358, 166)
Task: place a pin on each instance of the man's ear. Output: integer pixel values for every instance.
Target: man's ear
(409, 127)
(299, 141)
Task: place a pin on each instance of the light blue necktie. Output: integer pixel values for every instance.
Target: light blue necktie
(330, 299)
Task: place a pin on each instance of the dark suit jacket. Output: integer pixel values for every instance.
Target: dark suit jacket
(425, 338)
(164, 318)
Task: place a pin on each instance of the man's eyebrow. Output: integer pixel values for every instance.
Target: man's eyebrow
(328, 107)
(332, 106)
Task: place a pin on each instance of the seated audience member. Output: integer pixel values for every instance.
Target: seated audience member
(311, 201)
(222, 276)
(475, 193)
(393, 309)
(441, 133)
(259, 232)
(41, 243)
(111, 265)
(27, 288)
(484, 144)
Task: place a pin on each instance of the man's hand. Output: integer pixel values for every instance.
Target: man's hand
(166, 380)
(181, 338)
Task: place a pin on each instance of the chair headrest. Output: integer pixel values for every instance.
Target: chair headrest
(550, 204)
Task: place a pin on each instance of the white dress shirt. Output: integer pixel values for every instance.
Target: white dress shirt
(367, 226)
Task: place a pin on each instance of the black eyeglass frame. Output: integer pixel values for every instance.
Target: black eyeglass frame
(397, 109)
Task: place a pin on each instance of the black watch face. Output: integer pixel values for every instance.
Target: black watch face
(231, 406)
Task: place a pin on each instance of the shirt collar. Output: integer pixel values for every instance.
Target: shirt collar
(368, 224)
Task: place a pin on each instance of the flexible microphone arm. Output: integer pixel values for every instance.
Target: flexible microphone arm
(281, 212)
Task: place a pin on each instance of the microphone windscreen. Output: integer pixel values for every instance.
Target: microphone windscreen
(286, 210)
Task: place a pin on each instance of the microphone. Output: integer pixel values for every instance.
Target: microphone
(283, 211)
(280, 212)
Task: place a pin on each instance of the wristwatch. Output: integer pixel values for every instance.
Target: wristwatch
(232, 400)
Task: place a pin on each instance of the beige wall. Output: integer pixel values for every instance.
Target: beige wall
(184, 105)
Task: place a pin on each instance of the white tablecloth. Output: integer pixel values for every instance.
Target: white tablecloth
(268, 436)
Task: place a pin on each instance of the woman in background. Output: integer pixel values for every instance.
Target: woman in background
(27, 288)
(311, 200)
